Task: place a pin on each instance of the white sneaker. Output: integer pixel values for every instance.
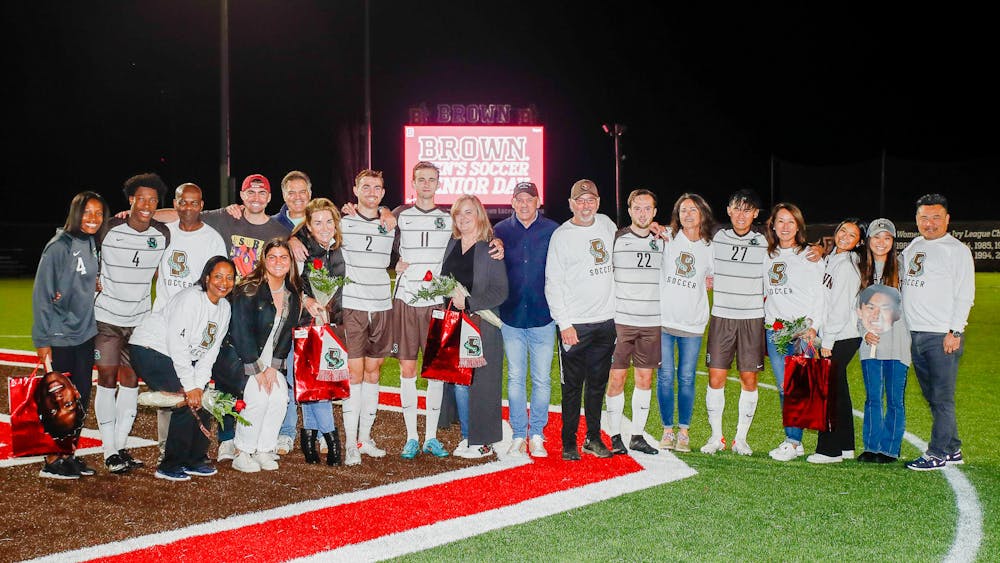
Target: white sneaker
(537, 446)
(227, 451)
(714, 444)
(246, 463)
(463, 447)
(786, 451)
(321, 446)
(476, 452)
(820, 458)
(518, 448)
(847, 454)
(284, 444)
(265, 460)
(352, 456)
(369, 448)
(741, 447)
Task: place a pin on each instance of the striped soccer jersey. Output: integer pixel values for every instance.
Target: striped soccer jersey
(128, 261)
(637, 278)
(738, 289)
(367, 248)
(423, 237)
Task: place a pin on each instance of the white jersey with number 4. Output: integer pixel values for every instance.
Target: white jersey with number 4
(128, 261)
(423, 237)
(367, 248)
(637, 278)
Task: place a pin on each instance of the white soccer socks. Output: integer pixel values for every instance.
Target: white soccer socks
(748, 407)
(435, 393)
(126, 407)
(104, 410)
(369, 408)
(715, 404)
(640, 410)
(408, 401)
(352, 412)
(616, 408)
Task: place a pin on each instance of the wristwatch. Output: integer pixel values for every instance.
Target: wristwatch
(955, 333)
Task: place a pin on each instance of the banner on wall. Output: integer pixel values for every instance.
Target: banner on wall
(485, 161)
(982, 238)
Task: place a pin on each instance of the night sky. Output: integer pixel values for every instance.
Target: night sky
(104, 90)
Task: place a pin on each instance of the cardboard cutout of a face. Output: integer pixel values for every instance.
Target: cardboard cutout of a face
(879, 307)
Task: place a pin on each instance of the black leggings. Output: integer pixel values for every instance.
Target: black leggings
(841, 438)
(78, 361)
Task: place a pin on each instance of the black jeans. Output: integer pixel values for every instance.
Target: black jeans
(187, 445)
(585, 367)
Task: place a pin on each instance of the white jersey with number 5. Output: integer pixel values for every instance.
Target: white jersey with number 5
(423, 237)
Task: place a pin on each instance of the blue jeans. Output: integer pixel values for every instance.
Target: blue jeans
(687, 360)
(462, 407)
(883, 433)
(777, 357)
(519, 343)
(936, 374)
(291, 413)
(315, 415)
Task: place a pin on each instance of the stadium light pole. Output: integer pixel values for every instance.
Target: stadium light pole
(616, 131)
(224, 143)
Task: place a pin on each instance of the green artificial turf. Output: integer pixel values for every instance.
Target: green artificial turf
(754, 508)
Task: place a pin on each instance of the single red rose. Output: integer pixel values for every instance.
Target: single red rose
(777, 325)
(240, 405)
(317, 263)
(428, 276)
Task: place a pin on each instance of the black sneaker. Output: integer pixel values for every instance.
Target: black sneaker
(116, 464)
(81, 466)
(954, 458)
(131, 461)
(639, 444)
(883, 458)
(617, 446)
(596, 448)
(61, 468)
(868, 457)
(571, 454)
(926, 463)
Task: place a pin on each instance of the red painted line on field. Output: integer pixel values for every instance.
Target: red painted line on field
(393, 399)
(25, 357)
(337, 526)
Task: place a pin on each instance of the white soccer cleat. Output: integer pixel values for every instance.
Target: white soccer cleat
(714, 444)
(741, 447)
(369, 448)
(352, 456)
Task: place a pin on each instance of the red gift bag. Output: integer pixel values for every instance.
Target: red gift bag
(443, 350)
(52, 429)
(320, 364)
(810, 400)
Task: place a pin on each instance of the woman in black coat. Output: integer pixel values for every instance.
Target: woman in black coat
(266, 305)
(467, 258)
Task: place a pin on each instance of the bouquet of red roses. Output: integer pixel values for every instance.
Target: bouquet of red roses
(324, 285)
(786, 332)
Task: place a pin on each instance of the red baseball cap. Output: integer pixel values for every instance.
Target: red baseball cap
(256, 181)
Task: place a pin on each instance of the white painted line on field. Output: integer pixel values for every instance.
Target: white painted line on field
(657, 470)
(132, 443)
(969, 528)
